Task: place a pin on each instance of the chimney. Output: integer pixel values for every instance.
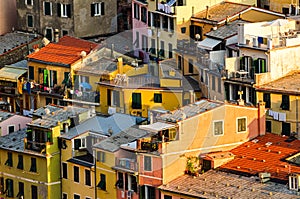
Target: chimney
(56, 35)
(227, 20)
(206, 16)
(193, 11)
(192, 96)
(261, 117)
(120, 65)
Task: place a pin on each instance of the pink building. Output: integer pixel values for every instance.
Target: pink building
(10, 122)
(8, 16)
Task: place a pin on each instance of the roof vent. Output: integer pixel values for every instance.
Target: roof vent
(47, 111)
(268, 144)
(255, 140)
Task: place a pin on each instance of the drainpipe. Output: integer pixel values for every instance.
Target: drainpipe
(95, 174)
(297, 115)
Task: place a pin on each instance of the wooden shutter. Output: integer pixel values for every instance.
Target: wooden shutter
(69, 10)
(59, 9)
(92, 9)
(102, 8)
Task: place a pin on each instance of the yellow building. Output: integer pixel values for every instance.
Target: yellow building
(288, 7)
(31, 158)
(51, 68)
(281, 97)
(78, 161)
(138, 94)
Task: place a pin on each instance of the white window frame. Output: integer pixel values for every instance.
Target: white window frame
(98, 9)
(50, 8)
(29, 4)
(151, 169)
(237, 124)
(63, 10)
(32, 21)
(216, 121)
(293, 182)
(10, 126)
(83, 143)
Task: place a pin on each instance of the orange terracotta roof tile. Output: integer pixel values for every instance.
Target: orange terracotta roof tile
(66, 51)
(254, 157)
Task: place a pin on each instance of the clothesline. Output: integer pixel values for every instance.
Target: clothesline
(278, 116)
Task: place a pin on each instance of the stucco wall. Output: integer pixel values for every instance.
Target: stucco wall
(8, 16)
(18, 121)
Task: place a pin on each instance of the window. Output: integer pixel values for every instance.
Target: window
(31, 72)
(170, 50)
(144, 43)
(213, 83)
(165, 22)
(171, 24)
(48, 35)
(65, 32)
(48, 100)
(29, 21)
(87, 177)
(162, 49)
(120, 181)
(137, 39)
(65, 196)
(102, 184)
(136, 11)
(9, 161)
(218, 128)
(147, 163)
(285, 103)
(286, 128)
(136, 101)
(65, 170)
(33, 165)
(267, 100)
(179, 62)
(20, 162)
(79, 143)
(11, 129)
(34, 192)
(53, 77)
(241, 124)
(100, 156)
(181, 3)
(116, 98)
(268, 126)
(97, 9)
(47, 8)
(29, 2)
(21, 190)
(9, 189)
(76, 174)
(219, 85)
(293, 182)
(246, 63)
(64, 10)
(144, 14)
(157, 98)
(167, 197)
(76, 196)
(285, 10)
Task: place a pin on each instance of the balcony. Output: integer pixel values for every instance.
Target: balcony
(35, 146)
(57, 90)
(127, 164)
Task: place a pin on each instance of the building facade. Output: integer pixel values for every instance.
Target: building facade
(73, 17)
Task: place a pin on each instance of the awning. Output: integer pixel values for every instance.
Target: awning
(11, 74)
(171, 3)
(208, 43)
(156, 127)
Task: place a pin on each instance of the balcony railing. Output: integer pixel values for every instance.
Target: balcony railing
(57, 90)
(35, 146)
(126, 163)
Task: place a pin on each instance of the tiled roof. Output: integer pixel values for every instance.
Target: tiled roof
(65, 52)
(15, 142)
(14, 39)
(266, 153)
(217, 184)
(51, 117)
(114, 143)
(4, 115)
(226, 31)
(287, 84)
(219, 12)
(117, 122)
(189, 110)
